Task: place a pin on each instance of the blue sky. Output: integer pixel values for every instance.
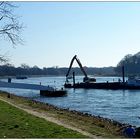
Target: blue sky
(99, 33)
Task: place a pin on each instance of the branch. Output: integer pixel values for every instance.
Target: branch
(9, 25)
(1, 17)
(3, 59)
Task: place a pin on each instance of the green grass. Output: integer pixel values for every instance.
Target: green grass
(92, 124)
(15, 123)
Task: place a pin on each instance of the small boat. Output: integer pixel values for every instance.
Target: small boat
(21, 77)
(54, 93)
(133, 81)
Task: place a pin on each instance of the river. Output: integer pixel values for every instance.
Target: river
(119, 105)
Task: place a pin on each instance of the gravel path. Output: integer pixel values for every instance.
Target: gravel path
(47, 117)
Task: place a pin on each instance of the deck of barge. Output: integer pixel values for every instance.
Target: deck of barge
(107, 85)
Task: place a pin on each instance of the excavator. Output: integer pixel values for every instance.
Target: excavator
(86, 78)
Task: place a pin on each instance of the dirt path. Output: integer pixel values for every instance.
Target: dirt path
(48, 118)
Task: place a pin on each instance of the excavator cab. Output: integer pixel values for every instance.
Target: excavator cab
(86, 78)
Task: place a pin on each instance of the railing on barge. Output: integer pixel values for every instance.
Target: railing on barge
(107, 85)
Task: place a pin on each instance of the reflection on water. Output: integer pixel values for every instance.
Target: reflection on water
(120, 105)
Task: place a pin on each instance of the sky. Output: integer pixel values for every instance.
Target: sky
(99, 33)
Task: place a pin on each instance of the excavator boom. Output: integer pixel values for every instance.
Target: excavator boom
(81, 67)
(70, 65)
(79, 63)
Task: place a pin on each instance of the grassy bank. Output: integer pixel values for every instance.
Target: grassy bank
(15, 123)
(39, 128)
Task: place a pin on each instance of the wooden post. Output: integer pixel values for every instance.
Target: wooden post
(123, 74)
(73, 78)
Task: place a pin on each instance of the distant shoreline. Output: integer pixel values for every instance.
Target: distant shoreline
(32, 76)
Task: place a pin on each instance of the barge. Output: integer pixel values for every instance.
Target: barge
(107, 85)
(44, 90)
(90, 83)
(54, 93)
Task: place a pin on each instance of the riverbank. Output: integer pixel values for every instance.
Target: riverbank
(17, 123)
(92, 126)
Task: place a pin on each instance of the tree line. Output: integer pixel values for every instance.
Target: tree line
(131, 65)
(10, 70)
(130, 62)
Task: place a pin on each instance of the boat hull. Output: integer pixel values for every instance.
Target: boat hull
(21, 77)
(56, 93)
(111, 85)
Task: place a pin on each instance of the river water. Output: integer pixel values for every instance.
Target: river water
(119, 105)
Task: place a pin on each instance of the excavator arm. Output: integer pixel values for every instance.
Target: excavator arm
(81, 67)
(79, 63)
(70, 65)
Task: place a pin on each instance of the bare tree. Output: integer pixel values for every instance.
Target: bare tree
(10, 27)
